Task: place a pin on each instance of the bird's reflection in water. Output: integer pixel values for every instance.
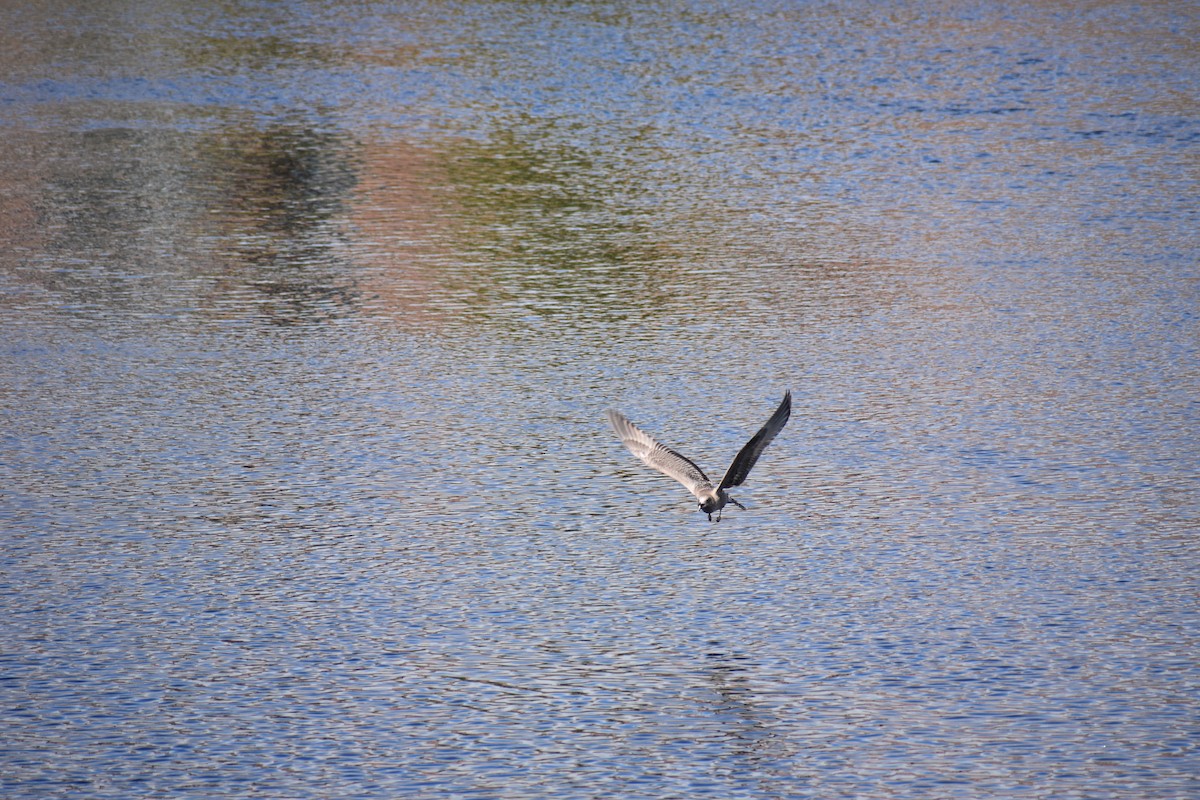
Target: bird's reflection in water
(753, 734)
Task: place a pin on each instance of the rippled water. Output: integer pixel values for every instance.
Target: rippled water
(310, 313)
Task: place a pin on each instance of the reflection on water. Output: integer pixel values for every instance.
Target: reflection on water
(158, 223)
(279, 206)
(311, 314)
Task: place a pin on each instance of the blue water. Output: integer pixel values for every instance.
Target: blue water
(310, 312)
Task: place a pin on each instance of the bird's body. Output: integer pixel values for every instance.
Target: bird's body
(672, 464)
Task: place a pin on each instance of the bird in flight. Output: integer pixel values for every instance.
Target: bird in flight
(673, 465)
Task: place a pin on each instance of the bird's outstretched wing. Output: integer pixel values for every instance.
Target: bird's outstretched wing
(662, 458)
(744, 461)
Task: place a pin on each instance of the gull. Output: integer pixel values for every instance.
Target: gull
(673, 465)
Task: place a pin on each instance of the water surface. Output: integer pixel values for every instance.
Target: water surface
(311, 312)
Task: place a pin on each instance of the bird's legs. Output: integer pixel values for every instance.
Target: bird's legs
(721, 510)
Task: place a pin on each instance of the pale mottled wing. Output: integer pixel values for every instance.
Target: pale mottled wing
(745, 460)
(662, 458)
